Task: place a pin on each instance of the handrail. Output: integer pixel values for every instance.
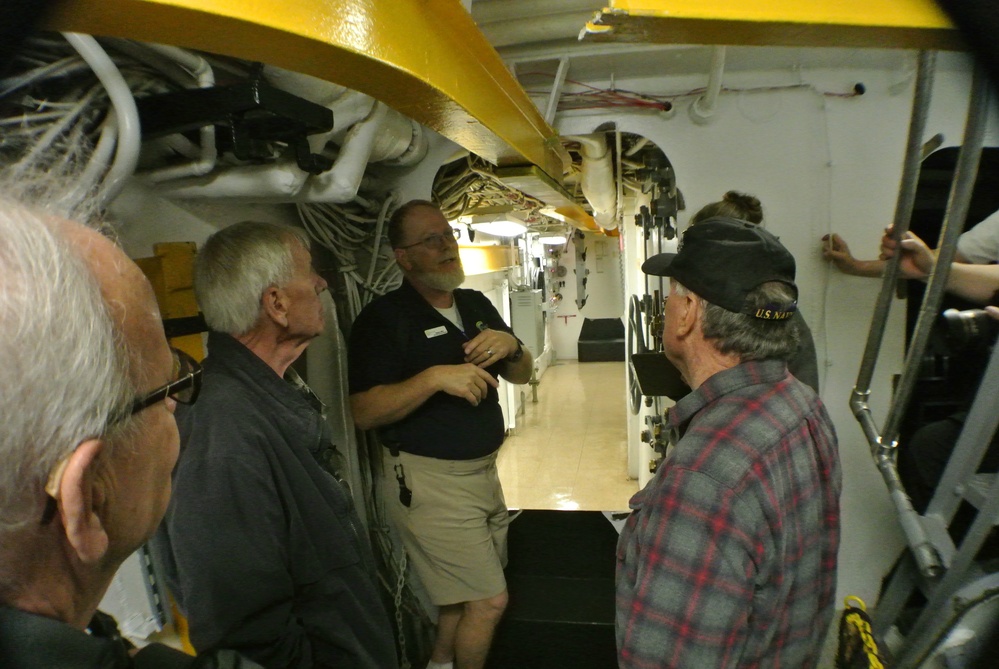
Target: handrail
(882, 451)
(883, 444)
(903, 213)
(958, 201)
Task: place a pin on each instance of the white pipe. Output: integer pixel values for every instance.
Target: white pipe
(704, 107)
(129, 135)
(366, 130)
(598, 178)
(636, 147)
(282, 181)
(311, 88)
(199, 68)
(349, 110)
(285, 181)
(180, 144)
(341, 183)
(400, 143)
(393, 138)
(348, 107)
(415, 152)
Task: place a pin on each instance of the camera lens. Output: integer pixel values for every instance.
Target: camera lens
(971, 327)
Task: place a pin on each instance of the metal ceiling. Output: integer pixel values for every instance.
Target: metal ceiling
(424, 58)
(435, 62)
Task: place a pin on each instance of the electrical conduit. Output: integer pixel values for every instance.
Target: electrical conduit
(129, 135)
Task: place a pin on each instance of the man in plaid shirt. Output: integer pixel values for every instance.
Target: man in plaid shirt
(729, 556)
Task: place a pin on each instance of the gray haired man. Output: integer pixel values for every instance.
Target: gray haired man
(266, 551)
(729, 556)
(87, 441)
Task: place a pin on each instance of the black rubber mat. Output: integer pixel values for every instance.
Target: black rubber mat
(561, 582)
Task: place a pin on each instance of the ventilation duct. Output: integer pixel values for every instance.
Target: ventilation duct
(598, 178)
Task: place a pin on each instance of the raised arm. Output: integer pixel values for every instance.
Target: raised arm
(836, 251)
(978, 283)
(389, 403)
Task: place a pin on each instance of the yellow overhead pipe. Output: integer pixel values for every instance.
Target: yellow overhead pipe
(909, 24)
(424, 58)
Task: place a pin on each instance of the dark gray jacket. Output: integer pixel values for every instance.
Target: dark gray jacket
(265, 550)
(29, 641)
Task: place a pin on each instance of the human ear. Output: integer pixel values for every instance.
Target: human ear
(81, 497)
(275, 305)
(688, 314)
(401, 260)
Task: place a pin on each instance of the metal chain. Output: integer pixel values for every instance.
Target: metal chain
(400, 585)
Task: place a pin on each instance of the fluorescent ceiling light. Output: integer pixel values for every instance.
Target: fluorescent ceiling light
(499, 226)
(552, 240)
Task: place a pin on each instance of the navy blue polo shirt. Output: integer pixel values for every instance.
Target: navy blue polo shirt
(399, 335)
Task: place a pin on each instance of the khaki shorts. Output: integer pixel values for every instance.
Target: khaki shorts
(454, 530)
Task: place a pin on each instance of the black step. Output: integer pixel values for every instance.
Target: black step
(560, 578)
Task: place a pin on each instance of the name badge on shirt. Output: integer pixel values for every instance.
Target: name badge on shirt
(435, 332)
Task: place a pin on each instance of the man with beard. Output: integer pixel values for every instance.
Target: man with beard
(424, 362)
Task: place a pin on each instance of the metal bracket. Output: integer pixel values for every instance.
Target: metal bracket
(251, 115)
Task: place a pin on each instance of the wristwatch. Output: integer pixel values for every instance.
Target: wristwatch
(518, 354)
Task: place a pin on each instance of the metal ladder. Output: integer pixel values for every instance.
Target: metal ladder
(943, 572)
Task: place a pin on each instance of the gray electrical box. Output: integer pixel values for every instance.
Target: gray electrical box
(527, 318)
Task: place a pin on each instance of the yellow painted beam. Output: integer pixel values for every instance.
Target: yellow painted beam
(484, 259)
(909, 24)
(530, 180)
(424, 58)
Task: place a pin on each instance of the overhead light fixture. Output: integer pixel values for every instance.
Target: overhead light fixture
(499, 225)
(552, 240)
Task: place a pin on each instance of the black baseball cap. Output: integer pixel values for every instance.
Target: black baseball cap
(723, 260)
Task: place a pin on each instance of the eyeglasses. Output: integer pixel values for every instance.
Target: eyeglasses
(436, 242)
(184, 389)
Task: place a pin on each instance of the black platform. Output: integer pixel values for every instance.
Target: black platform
(601, 340)
(561, 583)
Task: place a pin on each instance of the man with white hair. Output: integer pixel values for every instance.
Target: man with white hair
(87, 441)
(729, 556)
(266, 551)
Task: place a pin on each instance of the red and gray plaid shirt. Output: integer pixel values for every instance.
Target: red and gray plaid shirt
(729, 556)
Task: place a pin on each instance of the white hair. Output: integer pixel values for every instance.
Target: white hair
(749, 338)
(64, 369)
(234, 268)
